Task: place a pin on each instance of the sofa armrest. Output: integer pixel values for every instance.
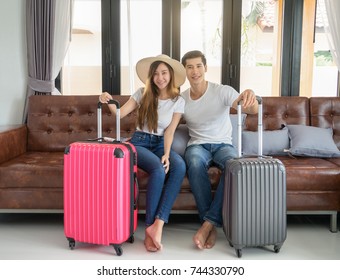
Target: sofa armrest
(13, 141)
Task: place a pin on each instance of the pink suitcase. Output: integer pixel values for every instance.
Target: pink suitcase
(100, 190)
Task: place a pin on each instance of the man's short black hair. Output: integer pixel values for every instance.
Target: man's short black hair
(194, 54)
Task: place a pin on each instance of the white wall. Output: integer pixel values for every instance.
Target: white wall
(13, 61)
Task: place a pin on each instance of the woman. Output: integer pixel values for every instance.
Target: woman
(160, 108)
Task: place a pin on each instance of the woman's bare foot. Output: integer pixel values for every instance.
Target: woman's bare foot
(148, 243)
(155, 233)
(205, 237)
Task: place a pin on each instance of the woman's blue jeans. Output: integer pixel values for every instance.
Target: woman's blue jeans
(162, 189)
(198, 159)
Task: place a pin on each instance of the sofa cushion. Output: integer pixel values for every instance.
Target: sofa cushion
(181, 138)
(312, 141)
(33, 169)
(33, 180)
(309, 174)
(274, 142)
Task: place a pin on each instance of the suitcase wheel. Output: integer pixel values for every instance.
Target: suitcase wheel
(131, 239)
(238, 253)
(277, 248)
(118, 249)
(231, 244)
(71, 243)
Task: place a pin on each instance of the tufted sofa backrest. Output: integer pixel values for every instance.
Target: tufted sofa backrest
(278, 111)
(325, 112)
(55, 121)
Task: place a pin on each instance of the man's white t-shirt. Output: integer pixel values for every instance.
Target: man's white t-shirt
(166, 109)
(208, 118)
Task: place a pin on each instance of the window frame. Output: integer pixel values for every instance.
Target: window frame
(111, 76)
(291, 48)
(290, 56)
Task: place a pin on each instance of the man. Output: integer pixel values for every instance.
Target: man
(206, 113)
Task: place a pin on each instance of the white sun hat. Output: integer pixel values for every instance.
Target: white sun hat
(143, 65)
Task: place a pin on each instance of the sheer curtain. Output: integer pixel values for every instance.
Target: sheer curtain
(333, 28)
(48, 32)
(62, 35)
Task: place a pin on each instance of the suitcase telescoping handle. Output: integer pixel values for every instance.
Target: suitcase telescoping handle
(99, 119)
(259, 128)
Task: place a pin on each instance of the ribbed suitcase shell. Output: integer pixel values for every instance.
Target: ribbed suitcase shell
(254, 208)
(101, 190)
(254, 203)
(100, 193)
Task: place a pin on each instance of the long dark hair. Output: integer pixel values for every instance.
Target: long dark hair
(149, 103)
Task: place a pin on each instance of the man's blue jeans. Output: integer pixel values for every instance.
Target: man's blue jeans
(198, 159)
(162, 189)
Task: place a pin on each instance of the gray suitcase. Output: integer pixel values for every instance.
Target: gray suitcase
(254, 203)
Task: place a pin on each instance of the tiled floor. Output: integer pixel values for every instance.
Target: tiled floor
(33, 246)
(41, 237)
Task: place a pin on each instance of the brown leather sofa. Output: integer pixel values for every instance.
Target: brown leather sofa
(31, 156)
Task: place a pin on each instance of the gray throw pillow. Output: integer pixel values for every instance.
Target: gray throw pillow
(234, 134)
(312, 141)
(181, 138)
(275, 142)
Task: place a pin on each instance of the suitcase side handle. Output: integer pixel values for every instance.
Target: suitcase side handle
(136, 191)
(99, 118)
(259, 128)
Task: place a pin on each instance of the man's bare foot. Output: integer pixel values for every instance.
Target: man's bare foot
(155, 233)
(148, 243)
(211, 240)
(205, 237)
